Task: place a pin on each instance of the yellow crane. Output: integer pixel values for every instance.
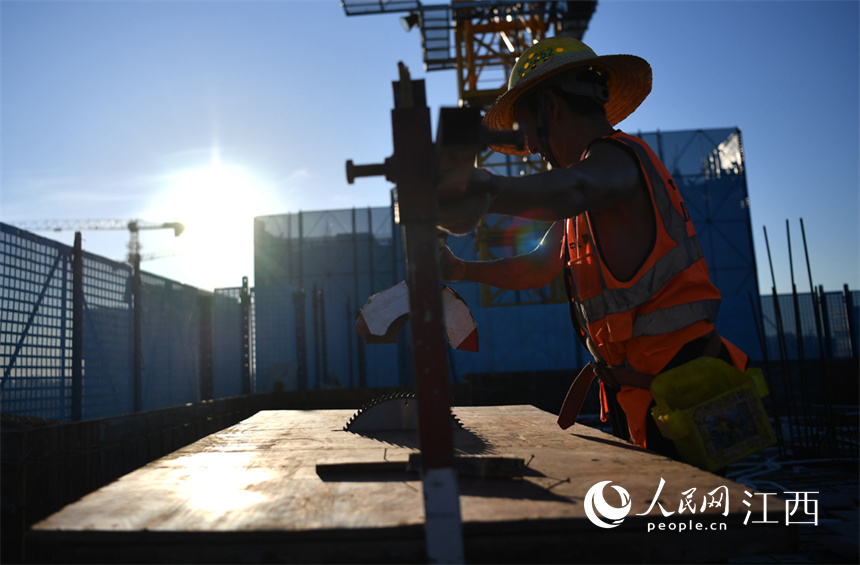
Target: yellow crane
(133, 227)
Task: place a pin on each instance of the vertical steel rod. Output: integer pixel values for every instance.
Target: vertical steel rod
(825, 322)
(780, 336)
(805, 398)
(759, 328)
(832, 446)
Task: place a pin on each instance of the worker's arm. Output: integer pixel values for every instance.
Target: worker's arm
(606, 177)
(535, 269)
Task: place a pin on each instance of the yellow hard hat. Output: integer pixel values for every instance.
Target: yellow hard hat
(628, 80)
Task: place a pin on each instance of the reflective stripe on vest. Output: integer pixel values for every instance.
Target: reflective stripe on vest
(686, 253)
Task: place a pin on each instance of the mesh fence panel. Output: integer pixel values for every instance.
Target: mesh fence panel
(35, 331)
(275, 328)
(170, 343)
(37, 334)
(107, 338)
(227, 338)
(313, 273)
(833, 332)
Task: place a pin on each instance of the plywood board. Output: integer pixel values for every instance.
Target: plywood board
(294, 486)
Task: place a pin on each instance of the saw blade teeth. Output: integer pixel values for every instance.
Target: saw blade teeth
(388, 397)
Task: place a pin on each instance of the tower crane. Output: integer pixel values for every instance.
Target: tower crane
(481, 41)
(133, 227)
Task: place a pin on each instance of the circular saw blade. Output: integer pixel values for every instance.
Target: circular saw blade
(397, 411)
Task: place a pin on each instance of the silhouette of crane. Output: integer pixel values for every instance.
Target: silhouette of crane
(133, 227)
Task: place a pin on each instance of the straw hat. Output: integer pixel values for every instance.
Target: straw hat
(629, 80)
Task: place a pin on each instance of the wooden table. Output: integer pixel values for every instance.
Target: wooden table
(293, 486)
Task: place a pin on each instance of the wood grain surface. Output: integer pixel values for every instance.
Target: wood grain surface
(293, 486)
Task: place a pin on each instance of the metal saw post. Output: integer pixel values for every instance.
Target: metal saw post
(412, 168)
(415, 168)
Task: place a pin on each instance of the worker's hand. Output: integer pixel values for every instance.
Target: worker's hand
(459, 216)
(451, 267)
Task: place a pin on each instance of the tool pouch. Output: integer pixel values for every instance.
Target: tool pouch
(712, 412)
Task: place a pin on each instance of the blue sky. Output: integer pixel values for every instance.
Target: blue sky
(213, 112)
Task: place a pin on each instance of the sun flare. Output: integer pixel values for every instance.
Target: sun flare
(217, 203)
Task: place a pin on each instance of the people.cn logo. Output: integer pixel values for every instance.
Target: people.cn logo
(597, 509)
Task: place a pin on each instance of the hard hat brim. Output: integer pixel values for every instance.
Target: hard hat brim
(629, 84)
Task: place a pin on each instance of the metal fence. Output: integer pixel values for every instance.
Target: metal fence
(81, 338)
(35, 324)
(313, 273)
(84, 337)
(804, 326)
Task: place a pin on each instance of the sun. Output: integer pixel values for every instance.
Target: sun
(217, 204)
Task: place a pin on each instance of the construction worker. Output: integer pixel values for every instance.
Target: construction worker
(641, 296)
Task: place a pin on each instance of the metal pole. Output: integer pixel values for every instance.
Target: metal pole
(349, 337)
(353, 315)
(822, 364)
(64, 325)
(798, 326)
(301, 253)
(805, 398)
(414, 175)
(780, 335)
(370, 249)
(825, 323)
(361, 357)
(315, 307)
(301, 339)
(413, 169)
(815, 304)
(245, 330)
(849, 318)
(404, 355)
(205, 371)
(324, 348)
(759, 329)
(136, 333)
(394, 275)
(77, 329)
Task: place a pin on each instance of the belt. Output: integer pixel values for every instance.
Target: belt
(615, 377)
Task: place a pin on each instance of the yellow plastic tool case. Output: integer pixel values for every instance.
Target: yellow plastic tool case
(712, 411)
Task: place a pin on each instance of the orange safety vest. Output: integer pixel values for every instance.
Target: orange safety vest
(642, 323)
